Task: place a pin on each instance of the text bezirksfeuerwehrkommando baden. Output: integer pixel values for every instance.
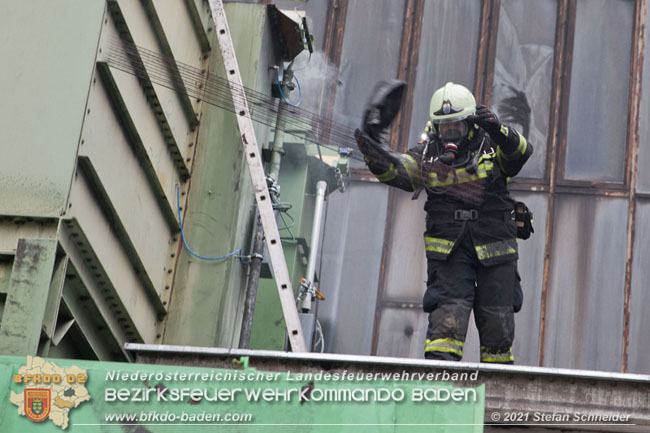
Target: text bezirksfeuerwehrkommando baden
(270, 394)
(259, 386)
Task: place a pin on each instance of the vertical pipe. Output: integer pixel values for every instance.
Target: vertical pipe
(321, 186)
(258, 243)
(278, 137)
(556, 140)
(638, 51)
(251, 287)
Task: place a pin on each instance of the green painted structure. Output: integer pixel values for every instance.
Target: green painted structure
(399, 412)
(207, 300)
(98, 141)
(301, 168)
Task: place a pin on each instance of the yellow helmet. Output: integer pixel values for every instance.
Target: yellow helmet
(450, 105)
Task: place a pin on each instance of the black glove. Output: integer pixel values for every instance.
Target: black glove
(364, 142)
(373, 150)
(486, 119)
(382, 108)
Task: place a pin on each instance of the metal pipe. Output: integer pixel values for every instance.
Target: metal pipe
(257, 253)
(277, 150)
(251, 286)
(321, 186)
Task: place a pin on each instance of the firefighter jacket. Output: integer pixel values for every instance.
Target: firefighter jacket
(467, 196)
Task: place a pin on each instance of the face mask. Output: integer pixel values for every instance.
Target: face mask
(452, 131)
(451, 134)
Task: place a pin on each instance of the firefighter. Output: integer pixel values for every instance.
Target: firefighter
(463, 163)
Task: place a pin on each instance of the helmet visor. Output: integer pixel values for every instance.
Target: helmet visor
(453, 131)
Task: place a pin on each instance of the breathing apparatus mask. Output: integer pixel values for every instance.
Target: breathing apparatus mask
(451, 134)
(450, 107)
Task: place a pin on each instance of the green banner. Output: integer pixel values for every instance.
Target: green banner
(50, 395)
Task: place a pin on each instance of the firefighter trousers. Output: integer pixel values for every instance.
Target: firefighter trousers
(461, 283)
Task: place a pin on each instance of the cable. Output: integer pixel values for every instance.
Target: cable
(277, 73)
(286, 226)
(321, 337)
(151, 67)
(157, 65)
(306, 64)
(180, 222)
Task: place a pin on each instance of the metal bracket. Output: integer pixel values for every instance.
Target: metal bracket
(256, 170)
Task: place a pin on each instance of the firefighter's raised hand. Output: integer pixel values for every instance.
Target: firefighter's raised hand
(486, 119)
(382, 108)
(363, 141)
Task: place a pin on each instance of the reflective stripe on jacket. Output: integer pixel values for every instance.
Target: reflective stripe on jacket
(483, 190)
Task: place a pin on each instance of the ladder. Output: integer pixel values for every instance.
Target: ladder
(256, 170)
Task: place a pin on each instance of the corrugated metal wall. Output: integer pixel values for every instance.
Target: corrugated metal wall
(577, 65)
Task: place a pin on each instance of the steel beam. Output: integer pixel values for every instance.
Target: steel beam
(54, 296)
(172, 67)
(27, 296)
(147, 86)
(97, 284)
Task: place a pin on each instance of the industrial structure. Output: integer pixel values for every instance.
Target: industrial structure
(131, 223)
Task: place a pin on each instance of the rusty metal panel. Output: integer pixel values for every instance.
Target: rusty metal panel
(128, 195)
(370, 53)
(597, 125)
(27, 296)
(587, 276)
(643, 174)
(448, 49)
(407, 274)
(523, 73)
(531, 270)
(402, 333)
(639, 355)
(351, 258)
(44, 88)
